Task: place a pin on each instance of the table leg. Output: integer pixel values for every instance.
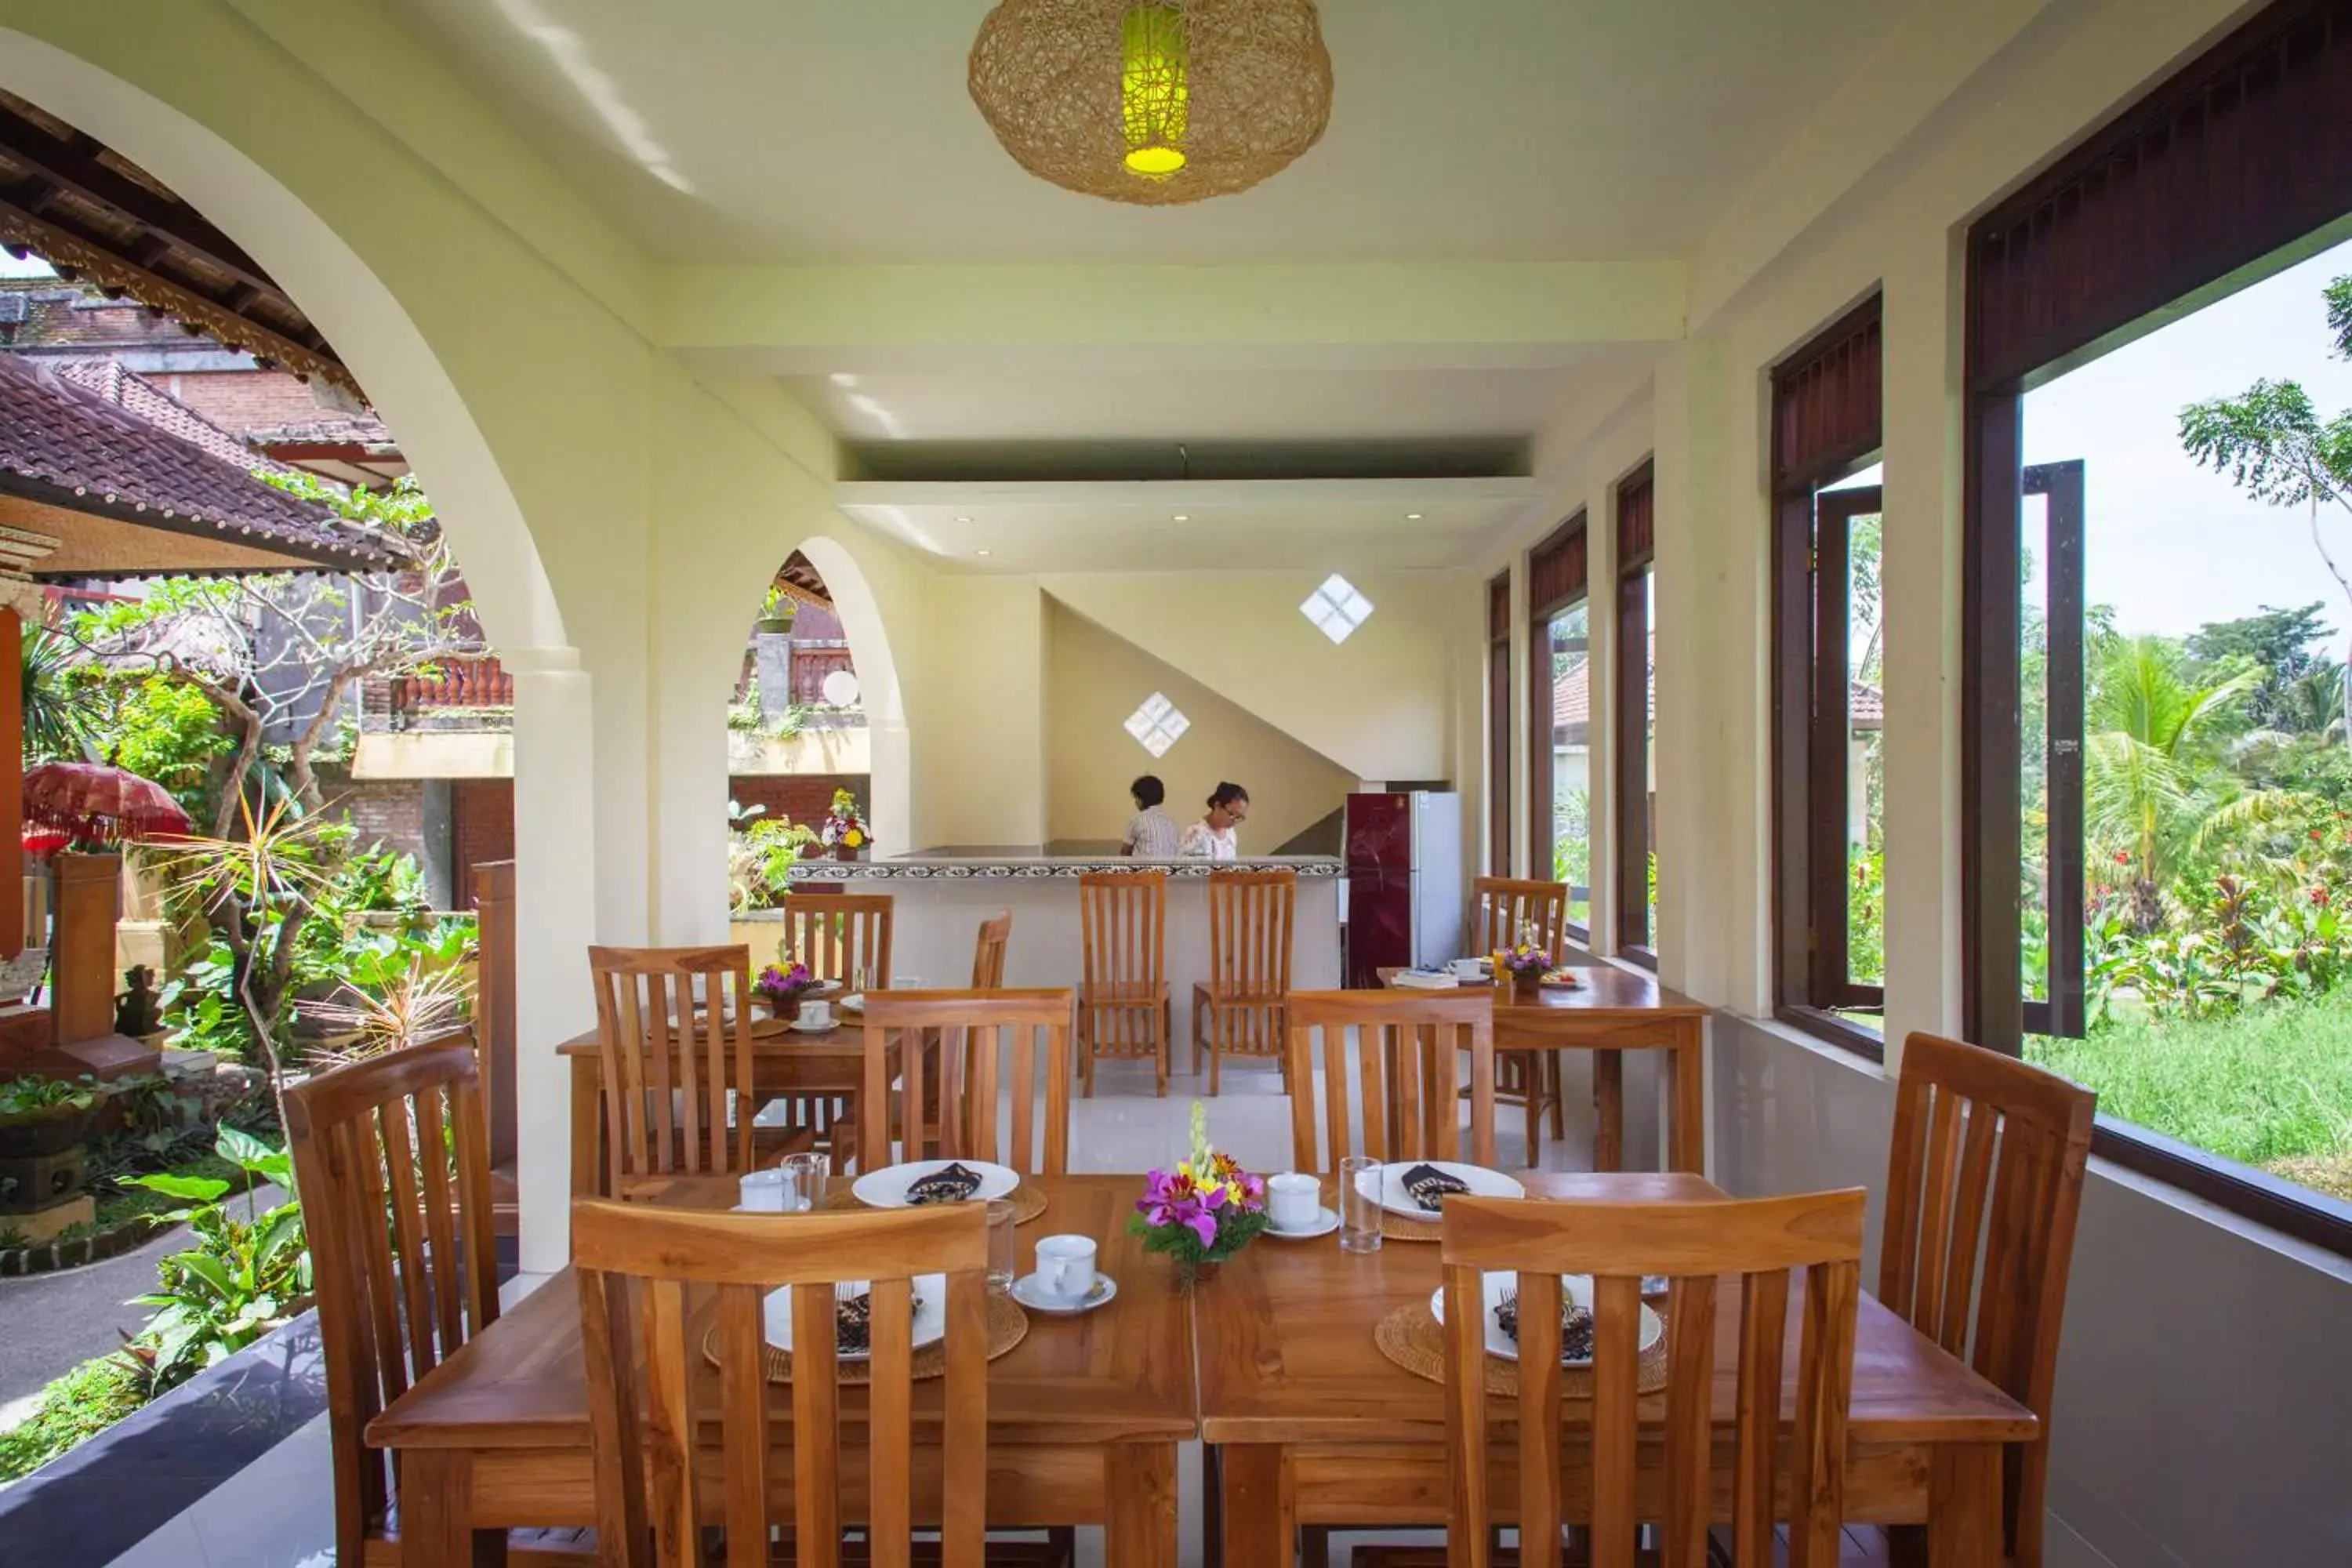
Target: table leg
(1607, 1111)
(1260, 1512)
(1140, 1481)
(1689, 1069)
(587, 1128)
(437, 1507)
(1964, 1506)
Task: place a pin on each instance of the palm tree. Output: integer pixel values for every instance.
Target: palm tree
(2152, 772)
(60, 713)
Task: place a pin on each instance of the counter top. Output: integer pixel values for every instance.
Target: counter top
(1035, 861)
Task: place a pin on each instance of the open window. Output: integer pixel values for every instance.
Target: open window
(1560, 719)
(1636, 761)
(1498, 725)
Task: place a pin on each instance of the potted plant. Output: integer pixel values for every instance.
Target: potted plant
(41, 1116)
(1202, 1212)
(845, 831)
(1523, 966)
(781, 986)
(777, 613)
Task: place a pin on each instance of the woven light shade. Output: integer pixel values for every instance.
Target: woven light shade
(1153, 101)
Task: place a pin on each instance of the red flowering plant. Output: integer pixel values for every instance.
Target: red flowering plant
(783, 985)
(1202, 1212)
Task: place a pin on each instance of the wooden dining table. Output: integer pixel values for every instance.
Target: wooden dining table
(1310, 1424)
(1083, 1414)
(1609, 1011)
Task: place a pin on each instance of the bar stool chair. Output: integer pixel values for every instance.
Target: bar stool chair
(1123, 1006)
(988, 957)
(1501, 907)
(1237, 1011)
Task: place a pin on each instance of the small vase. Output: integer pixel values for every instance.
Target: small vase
(845, 852)
(786, 1009)
(1526, 985)
(1191, 1276)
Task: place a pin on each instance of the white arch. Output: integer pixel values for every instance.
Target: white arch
(370, 329)
(890, 812)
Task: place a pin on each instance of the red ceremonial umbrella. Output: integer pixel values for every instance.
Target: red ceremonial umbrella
(89, 800)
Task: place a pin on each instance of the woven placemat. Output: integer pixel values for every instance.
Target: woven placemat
(1397, 1228)
(1008, 1325)
(1028, 1202)
(1415, 1341)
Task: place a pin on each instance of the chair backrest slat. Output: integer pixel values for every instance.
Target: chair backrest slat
(1761, 1241)
(636, 1266)
(987, 956)
(1502, 907)
(1122, 917)
(1984, 1189)
(841, 937)
(676, 1065)
(971, 1033)
(1250, 918)
(392, 1156)
(1408, 1044)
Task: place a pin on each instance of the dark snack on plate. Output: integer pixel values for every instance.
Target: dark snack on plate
(853, 1322)
(948, 1184)
(1430, 1187)
(1575, 1325)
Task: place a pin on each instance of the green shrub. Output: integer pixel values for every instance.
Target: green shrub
(77, 1406)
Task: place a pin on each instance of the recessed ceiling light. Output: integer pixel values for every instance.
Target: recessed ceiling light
(1183, 517)
(979, 553)
(963, 520)
(1412, 517)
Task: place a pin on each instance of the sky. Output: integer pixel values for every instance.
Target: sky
(2169, 544)
(30, 267)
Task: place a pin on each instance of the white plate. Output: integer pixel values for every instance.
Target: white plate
(802, 1027)
(852, 1003)
(931, 1313)
(1577, 1288)
(1391, 1195)
(1025, 1291)
(887, 1188)
(1326, 1222)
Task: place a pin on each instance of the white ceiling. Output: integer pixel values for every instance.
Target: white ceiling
(841, 130)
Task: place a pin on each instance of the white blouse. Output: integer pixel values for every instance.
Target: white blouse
(1203, 842)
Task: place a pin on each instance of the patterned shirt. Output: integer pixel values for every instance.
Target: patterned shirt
(1150, 836)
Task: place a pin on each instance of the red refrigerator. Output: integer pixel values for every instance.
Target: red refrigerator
(1404, 883)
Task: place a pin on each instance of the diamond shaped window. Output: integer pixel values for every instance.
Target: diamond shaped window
(1336, 608)
(1158, 724)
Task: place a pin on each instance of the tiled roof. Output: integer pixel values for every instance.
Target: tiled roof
(327, 430)
(1571, 704)
(136, 394)
(66, 437)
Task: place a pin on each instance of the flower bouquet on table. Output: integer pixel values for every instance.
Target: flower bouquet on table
(845, 831)
(781, 986)
(1202, 1212)
(1523, 965)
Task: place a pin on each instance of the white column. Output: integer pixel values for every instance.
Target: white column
(1925, 462)
(555, 922)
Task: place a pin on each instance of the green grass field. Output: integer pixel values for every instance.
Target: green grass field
(2269, 1086)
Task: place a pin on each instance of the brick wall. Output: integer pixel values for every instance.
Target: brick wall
(392, 810)
(243, 400)
(481, 827)
(803, 797)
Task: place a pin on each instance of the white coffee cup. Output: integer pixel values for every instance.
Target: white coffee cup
(1469, 969)
(815, 1015)
(1065, 1267)
(762, 1192)
(1294, 1200)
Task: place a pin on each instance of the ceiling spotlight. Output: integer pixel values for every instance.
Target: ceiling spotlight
(1183, 517)
(1412, 517)
(963, 520)
(979, 553)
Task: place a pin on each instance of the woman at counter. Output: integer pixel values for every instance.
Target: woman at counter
(1213, 838)
(1150, 836)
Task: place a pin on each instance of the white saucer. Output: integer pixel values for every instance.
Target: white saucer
(1025, 1291)
(802, 1027)
(1326, 1221)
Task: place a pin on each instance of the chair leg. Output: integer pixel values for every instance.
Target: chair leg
(1534, 1103)
(1556, 1078)
(1085, 1054)
(1315, 1546)
(1216, 1060)
(1201, 1011)
(1167, 1021)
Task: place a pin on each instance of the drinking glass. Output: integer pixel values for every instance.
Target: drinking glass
(805, 1178)
(1360, 1205)
(1003, 1250)
(764, 1192)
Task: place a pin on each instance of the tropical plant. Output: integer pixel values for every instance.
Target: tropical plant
(59, 715)
(38, 1098)
(2152, 771)
(243, 1278)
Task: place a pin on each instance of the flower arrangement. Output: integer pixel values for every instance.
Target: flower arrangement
(1202, 1212)
(1525, 961)
(845, 831)
(783, 985)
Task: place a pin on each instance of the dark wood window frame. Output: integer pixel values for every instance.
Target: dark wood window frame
(1498, 725)
(1636, 550)
(2242, 159)
(1827, 424)
(1558, 579)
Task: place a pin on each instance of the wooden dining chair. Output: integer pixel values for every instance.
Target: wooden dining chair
(1237, 1011)
(841, 938)
(1502, 909)
(652, 1403)
(1983, 1189)
(391, 1157)
(1761, 1241)
(674, 1042)
(1123, 1009)
(986, 1046)
(987, 956)
(1407, 1051)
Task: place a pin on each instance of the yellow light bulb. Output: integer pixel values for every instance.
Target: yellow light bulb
(1155, 88)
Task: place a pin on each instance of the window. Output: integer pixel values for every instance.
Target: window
(1560, 711)
(1498, 725)
(1829, 780)
(1336, 608)
(1158, 724)
(1636, 762)
(2155, 664)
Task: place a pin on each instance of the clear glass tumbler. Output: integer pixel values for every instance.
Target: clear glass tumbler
(805, 1179)
(1004, 1248)
(1360, 1205)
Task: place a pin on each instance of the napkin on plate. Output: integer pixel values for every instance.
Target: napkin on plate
(949, 1184)
(1431, 1188)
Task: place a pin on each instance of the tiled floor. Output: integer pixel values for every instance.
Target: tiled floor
(259, 1495)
